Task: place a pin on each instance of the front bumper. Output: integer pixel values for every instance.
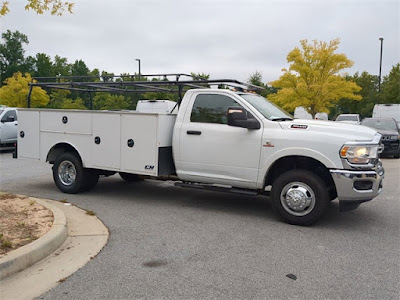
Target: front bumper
(391, 147)
(358, 186)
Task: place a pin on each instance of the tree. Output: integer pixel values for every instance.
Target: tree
(42, 66)
(73, 104)
(61, 66)
(108, 101)
(368, 92)
(15, 91)
(390, 88)
(79, 68)
(56, 7)
(313, 79)
(12, 57)
(256, 79)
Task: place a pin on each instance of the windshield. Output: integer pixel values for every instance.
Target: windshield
(347, 118)
(383, 124)
(1, 111)
(266, 108)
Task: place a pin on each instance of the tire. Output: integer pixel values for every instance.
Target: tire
(397, 155)
(91, 179)
(69, 175)
(128, 177)
(299, 197)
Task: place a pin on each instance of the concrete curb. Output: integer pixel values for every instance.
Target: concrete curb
(30, 254)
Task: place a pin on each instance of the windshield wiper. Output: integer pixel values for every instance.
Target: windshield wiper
(282, 119)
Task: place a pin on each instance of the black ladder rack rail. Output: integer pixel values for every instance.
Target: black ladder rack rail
(116, 84)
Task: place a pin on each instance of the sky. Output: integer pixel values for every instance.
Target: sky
(223, 38)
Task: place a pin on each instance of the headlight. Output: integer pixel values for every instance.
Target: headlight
(395, 137)
(359, 154)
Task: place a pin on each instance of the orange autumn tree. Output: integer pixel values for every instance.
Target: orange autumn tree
(313, 80)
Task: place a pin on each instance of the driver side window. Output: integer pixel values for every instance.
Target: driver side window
(211, 108)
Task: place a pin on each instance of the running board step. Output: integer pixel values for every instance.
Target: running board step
(215, 188)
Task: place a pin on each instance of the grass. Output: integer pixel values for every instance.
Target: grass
(90, 213)
(4, 243)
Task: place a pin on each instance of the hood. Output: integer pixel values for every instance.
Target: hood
(348, 132)
(387, 132)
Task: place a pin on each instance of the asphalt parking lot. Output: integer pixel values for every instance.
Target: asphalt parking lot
(175, 243)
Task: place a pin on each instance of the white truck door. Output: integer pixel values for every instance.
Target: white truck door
(211, 151)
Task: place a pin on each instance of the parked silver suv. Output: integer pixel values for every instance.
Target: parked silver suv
(8, 126)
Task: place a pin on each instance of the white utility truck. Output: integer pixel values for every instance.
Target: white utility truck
(215, 138)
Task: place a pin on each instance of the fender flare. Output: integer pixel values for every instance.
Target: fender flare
(61, 147)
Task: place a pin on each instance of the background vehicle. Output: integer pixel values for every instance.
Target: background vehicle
(390, 131)
(8, 126)
(349, 118)
(387, 111)
(219, 139)
(301, 113)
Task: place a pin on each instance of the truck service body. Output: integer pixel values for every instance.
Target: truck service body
(218, 139)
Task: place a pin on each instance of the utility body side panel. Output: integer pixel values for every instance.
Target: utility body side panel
(29, 134)
(110, 140)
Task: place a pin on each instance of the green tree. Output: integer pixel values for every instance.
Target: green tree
(368, 92)
(79, 68)
(43, 66)
(12, 53)
(58, 97)
(390, 88)
(15, 91)
(73, 104)
(107, 101)
(61, 66)
(56, 7)
(313, 80)
(256, 79)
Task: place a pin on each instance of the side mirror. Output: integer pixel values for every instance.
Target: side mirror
(237, 117)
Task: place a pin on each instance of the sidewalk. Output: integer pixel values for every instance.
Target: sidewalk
(74, 239)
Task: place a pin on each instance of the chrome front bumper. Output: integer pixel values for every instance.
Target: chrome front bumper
(358, 186)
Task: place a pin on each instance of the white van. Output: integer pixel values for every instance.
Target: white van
(301, 113)
(387, 111)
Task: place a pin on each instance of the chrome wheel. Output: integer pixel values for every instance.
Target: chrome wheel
(297, 198)
(67, 172)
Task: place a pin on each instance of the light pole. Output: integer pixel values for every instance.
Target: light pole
(138, 60)
(380, 65)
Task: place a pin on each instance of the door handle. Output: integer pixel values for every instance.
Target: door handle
(193, 132)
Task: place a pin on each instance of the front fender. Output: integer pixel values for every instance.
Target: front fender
(269, 161)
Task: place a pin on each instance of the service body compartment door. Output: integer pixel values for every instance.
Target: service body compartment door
(139, 143)
(28, 134)
(106, 140)
(65, 121)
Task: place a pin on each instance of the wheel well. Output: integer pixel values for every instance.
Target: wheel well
(301, 162)
(58, 149)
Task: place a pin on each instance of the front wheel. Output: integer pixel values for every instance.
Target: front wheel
(299, 197)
